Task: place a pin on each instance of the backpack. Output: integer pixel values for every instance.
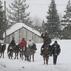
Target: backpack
(56, 49)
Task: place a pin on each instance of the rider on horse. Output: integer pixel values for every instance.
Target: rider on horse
(46, 41)
(23, 44)
(12, 43)
(45, 47)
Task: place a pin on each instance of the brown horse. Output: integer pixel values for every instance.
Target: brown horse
(45, 53)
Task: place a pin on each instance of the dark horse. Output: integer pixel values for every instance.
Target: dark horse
(13, 49)
(45, 53)
(16, 50)
(2, 50)
(45, 47)
(22, 51)
(10, 51)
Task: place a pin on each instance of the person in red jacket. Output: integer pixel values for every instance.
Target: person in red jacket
(23, 43)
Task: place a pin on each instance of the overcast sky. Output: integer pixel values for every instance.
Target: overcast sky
(40, 7)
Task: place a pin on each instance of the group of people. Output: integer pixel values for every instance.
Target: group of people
(49, 50)
(23, 47)
(28, 48)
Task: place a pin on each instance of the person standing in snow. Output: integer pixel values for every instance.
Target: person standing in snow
(55, 51)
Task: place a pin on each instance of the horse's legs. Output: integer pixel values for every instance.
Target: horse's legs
(44, 59)
(21, 55)
(0, 54)
(33, 57)
(17, 55)
(11, 54)
(47, 60)
(25, 57)
(30, 57)
(3, 54)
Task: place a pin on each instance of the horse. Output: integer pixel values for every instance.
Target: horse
(10, 51)
(29, 53)
(22, 50)
(45, 53)
(16, 50)
(13, 49)
(32, 51)
(2, 50)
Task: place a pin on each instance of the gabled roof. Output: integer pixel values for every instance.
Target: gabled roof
(18, 26)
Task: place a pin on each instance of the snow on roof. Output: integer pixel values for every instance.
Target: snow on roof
(17, 26)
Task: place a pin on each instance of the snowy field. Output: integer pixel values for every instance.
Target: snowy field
(63, 64)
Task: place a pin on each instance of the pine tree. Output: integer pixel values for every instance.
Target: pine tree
(67, 20)
(53, 22)
(17, 12)
(3, 24)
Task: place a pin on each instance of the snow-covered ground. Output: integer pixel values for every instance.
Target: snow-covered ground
(63, 64)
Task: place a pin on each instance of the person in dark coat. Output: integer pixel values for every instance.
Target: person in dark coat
(46, 41)
(46, 38)
(55, 51)
(12, 43)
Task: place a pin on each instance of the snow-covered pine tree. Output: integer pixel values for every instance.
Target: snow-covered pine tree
(3, 24)
(53, 22)
(67, 22)
(17, 12)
